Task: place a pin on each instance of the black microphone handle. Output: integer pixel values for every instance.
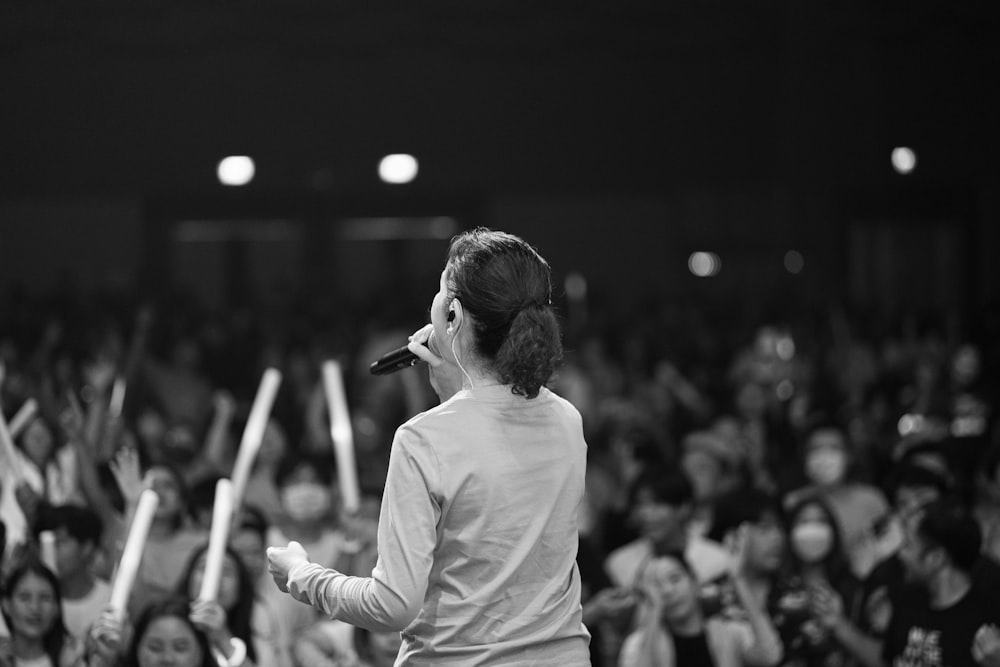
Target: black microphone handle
(396, 360)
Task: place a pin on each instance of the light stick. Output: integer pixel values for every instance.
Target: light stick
(9, 453)
(117, 398)
(128, 566)
(22, 417)
(343, 436)
(222, 516)
(253, 433)
(47, 541)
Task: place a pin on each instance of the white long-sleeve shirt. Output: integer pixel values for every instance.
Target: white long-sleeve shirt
(477, 537)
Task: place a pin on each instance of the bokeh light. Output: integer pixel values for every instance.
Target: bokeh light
(398, 168)
(904, 160)
(236, 170)
(704, 264)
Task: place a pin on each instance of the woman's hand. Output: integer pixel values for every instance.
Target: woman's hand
(105, 642)
(128, 474)
(445, 377)
(209, 617)
(610, 603)
(825, 604)
(736, 545)
(986, 646)
(281, 560)
(6, 652)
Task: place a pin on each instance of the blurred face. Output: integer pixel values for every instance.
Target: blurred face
(675, 587)
(919, 559)
(811, 535)
(72, 556)
(151, 428)
(826, 457)
(163, 482)
(180, 444)
(657, 520)
(250, 547)
(305, 497)
(169, 641)
(965, 365)
(765, 545)
(273, 445)
(32, 607)
(38, 442)
(705, 474)
(229, 581)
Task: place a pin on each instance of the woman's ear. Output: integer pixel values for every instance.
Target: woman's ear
(456, 316)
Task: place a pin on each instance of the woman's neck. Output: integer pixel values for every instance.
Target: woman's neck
(164, 527)
(76, 585)
(690, 625)
(27, 649)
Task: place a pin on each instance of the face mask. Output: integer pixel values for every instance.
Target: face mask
(826, 467)
(305, 501)
(812, 541)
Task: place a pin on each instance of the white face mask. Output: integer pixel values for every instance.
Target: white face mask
(305, 501)
(812, 541)
(826, 467)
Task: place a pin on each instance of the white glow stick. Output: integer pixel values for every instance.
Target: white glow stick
(47, 541)
(222, 516)
(22, 417)
(117, 398)
(253, 433)
(128, 566)
(9, 453)
(343, 436)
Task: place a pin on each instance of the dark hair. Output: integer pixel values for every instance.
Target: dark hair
(325, 466)
(669, 486)
(80, 523)
(183, 490)
(947, 524)
(176, 607)
(237, 618)
(744, 505)
(55, 636)
(506, 286)
(835, 564)
(203, 493)
(251, 518)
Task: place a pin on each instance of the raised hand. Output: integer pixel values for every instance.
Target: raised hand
(128, 474)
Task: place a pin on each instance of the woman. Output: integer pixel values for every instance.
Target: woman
(817, 566)
(858, 506)
(163, 635)
(32, 611)
(227, 618)
(674, 629)
(477, 534)
(171, 541)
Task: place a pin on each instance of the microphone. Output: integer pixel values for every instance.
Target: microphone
(396, 360)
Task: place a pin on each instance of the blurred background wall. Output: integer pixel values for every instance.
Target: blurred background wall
(617, 137)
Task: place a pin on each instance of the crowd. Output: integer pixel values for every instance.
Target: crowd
(773, 491)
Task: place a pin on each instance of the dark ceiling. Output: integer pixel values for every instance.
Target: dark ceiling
(138, 98)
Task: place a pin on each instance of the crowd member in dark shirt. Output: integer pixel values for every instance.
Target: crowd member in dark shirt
(941, 546)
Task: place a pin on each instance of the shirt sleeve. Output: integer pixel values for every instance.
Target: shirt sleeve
(393, 595)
